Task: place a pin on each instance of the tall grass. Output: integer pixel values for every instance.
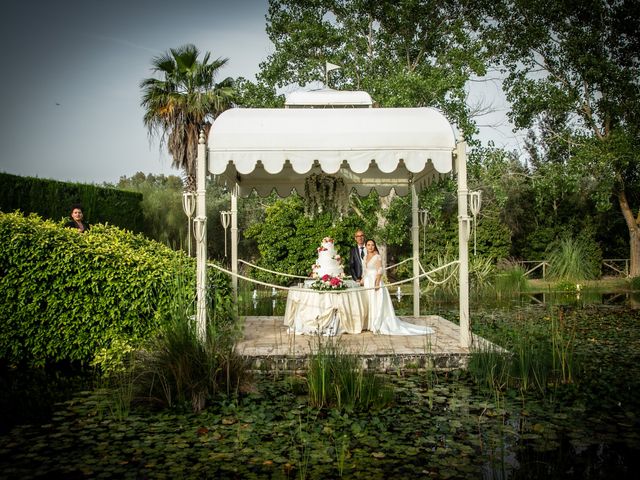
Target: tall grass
(537, 357)
(177, 367)
(510, 280)
(570, 261)
(562, 339)
(339, 380)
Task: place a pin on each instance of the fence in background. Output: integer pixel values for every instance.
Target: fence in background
(610, 266)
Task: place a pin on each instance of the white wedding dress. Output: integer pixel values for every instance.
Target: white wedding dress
(382, 317)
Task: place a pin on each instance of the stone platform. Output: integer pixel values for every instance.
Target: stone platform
(269, 347)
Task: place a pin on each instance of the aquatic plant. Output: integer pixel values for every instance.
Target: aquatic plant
(338, 379)
(537, 356)
(510, 279)
(177, 366)
(570, 260)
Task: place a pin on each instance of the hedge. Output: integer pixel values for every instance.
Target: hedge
(53, 199)
(64, 295)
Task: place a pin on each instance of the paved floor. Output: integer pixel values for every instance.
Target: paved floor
(268, 345)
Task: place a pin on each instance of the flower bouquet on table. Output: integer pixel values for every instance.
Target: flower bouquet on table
(328, 282)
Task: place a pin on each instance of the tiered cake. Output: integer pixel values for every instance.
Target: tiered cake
(328, 262)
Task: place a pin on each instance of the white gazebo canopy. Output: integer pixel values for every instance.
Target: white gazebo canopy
(372, 148)
(368, 148)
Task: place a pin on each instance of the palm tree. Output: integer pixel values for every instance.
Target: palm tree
(185, 100)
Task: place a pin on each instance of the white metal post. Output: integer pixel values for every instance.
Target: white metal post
(234, 242)
(463, 241)
(200, 224)
(415, 244)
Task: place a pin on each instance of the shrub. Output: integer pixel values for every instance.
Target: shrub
(66, 295)
(510, 279)
(446, 281)
(573, 260)
(176, 367)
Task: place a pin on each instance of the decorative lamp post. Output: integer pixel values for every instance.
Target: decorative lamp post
(475, 202)
(189, 207)
(424, 221)
(225, 218)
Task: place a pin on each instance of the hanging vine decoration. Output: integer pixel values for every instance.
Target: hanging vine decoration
(325, 193)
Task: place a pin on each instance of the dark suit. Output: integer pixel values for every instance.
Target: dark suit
(355, 263)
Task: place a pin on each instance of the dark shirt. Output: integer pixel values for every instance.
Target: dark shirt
(73, 224)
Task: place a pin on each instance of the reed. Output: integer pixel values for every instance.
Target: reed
(538, 356)
(570, 261)
(176, 366)
(563, 341)
(337, 379)
(510, 280)
(490, 367)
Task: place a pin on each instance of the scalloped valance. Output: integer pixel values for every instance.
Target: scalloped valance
(370, 148)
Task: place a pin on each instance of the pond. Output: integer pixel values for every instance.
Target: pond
(440, 425)
(270, 302)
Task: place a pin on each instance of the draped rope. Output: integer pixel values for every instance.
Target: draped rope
(436, 282)
(271, 271)
(298, 276)
(280, 287)
(400, 263)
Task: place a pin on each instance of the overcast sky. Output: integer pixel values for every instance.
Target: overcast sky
(70, 92)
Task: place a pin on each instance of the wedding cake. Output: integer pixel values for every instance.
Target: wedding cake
(328, 262)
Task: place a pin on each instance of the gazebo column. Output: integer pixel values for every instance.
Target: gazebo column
(200, 231)
(415, 248)
(463, 242)
(234, 242)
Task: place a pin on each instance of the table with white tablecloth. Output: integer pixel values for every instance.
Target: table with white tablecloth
(326, 312)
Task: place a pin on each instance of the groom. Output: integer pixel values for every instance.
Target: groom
(356, 257)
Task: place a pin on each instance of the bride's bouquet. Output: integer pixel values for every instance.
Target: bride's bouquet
(327, 282)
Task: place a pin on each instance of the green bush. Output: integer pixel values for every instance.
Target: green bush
(574, 260)
(176, 367)
(53, 199)
(510, 279)
(66, 295)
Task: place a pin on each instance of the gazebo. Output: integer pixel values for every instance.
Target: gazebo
(368, 148)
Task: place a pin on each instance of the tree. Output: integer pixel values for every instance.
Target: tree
(577, 63)
(183, 102)
(256, 95)
(405, 54)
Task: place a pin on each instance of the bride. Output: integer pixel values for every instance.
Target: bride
(382, 317)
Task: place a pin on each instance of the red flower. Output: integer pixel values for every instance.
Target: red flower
(335, 281)
(326, 277)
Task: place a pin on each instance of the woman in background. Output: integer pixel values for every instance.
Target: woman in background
(77, 219)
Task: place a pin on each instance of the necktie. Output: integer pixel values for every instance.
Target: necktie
(361, 252)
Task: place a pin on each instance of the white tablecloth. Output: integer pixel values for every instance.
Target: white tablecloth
(326, 313)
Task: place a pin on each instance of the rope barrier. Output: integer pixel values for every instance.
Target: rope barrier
(298, 276)
(280, 287)
(436, 282)
(271, 271)
(400, 263)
